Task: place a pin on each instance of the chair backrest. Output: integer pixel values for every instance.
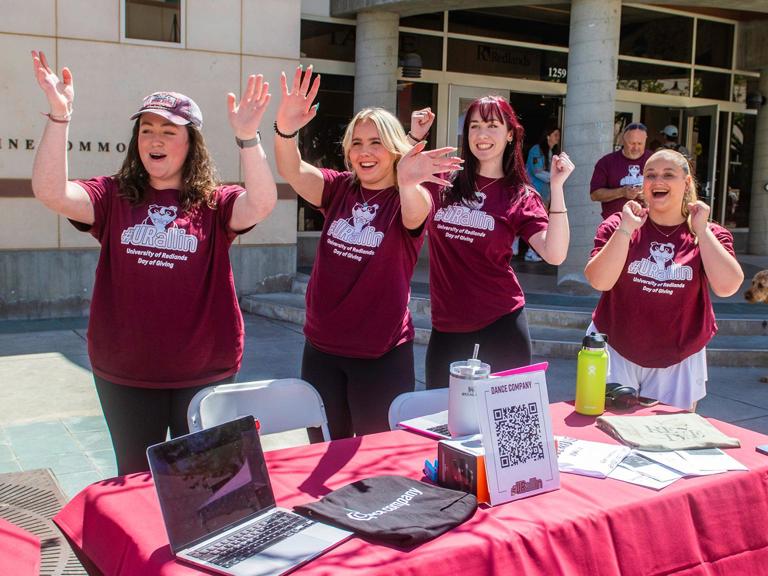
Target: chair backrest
(413, 404)
(280, 405)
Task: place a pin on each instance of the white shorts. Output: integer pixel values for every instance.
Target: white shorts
(679, 385)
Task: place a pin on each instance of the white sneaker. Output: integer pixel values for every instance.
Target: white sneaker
(531, 256)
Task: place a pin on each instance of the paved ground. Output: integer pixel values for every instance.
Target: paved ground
(50, 415)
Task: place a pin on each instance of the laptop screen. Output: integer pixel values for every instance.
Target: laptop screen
(208, 480)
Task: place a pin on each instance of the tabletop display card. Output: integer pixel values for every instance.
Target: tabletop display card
(513, 412)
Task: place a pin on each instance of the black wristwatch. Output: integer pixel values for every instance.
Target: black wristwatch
(255, 141)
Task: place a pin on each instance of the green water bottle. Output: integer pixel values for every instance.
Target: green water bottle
(591, 371)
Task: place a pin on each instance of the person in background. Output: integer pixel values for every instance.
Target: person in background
(655, 266)
(165, 321)
(475, 296)
(359, 333)
(618, 176)
(538, 167)
(670, 135)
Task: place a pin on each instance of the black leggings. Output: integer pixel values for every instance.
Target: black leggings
(357, 392)
(140, 417)
(504, 344)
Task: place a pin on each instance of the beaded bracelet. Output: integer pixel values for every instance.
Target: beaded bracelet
(283, 134)
(558, 211)
(624, 231)
(412, 137)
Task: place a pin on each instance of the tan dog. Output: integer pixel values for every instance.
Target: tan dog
(758, 293)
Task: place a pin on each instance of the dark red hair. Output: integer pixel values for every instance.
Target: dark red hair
(515, 176)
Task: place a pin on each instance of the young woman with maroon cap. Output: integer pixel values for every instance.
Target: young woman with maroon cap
(165, 320)
(475, 295)
(655, 267)
(359, 334)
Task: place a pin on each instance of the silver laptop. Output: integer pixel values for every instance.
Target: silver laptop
(432, 425)
(219, 508)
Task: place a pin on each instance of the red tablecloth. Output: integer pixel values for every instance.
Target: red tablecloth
(706, 525)
(19, 551)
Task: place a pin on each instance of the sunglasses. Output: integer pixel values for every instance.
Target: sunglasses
(636, 126)
(621, 397)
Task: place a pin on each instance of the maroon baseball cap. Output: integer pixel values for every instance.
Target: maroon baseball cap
(173, 106)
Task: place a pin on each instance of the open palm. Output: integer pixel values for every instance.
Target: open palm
(296, 106)
(59, 91)
(245, 116)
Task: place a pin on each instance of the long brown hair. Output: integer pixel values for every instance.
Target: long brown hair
(199, 178)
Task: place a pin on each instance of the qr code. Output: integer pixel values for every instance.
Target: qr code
(519, 434)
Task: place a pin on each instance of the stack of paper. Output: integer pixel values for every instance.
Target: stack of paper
(588, 458)
(654, 470)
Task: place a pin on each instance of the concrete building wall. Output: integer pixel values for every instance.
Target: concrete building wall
(46, 265)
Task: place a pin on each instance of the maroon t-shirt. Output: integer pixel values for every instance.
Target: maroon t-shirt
(613, 171)
(357, 297)
(164, 312)
(470, 280)
(659, 311)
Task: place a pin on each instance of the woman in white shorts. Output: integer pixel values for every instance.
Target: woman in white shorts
(655, 266)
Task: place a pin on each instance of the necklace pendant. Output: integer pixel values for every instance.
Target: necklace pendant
(365, 205)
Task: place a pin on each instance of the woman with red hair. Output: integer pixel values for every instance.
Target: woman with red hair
(475, 295)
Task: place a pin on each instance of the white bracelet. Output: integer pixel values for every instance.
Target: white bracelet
(624, 231)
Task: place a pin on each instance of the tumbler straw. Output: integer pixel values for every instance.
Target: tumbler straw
(477, 349)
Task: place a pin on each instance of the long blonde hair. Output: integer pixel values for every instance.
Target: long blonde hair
(390, 131)
(691, 189)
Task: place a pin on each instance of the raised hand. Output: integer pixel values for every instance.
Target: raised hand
(60, 92)
(296, 106)
(245, 116)
(560, 168)
(699, 212)
(421, 122)
(633, 215)
(419, 166)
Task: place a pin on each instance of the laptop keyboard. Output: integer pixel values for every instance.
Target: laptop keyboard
(440, 429)
(245, 543)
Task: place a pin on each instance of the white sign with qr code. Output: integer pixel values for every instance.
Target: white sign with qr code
(514, 417)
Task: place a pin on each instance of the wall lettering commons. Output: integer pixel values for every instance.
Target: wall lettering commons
(7, 144)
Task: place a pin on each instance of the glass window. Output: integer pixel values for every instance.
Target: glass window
(712, 85)
(506, 61)
(714, 43)
(650, 34)
(740, 170)
(156, 20)
(432, 21)
(429, 49)
(320, 140)
(415, 96)
(327, 41)
(538, 24)
(653, 78)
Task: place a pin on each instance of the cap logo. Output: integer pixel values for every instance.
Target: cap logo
(166, 101)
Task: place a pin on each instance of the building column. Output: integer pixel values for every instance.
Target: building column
(758, 204)
(376, 47)
(588, 129)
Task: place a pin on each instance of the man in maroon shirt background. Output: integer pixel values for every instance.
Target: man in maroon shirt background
(618, 176)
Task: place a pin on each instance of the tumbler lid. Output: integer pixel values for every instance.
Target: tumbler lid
(595, 340)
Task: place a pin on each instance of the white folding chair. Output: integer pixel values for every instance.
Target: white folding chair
(280, 405)
(414, 404)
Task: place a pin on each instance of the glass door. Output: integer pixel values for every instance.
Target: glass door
(701, 140)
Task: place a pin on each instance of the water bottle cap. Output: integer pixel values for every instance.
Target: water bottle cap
(595, 340)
